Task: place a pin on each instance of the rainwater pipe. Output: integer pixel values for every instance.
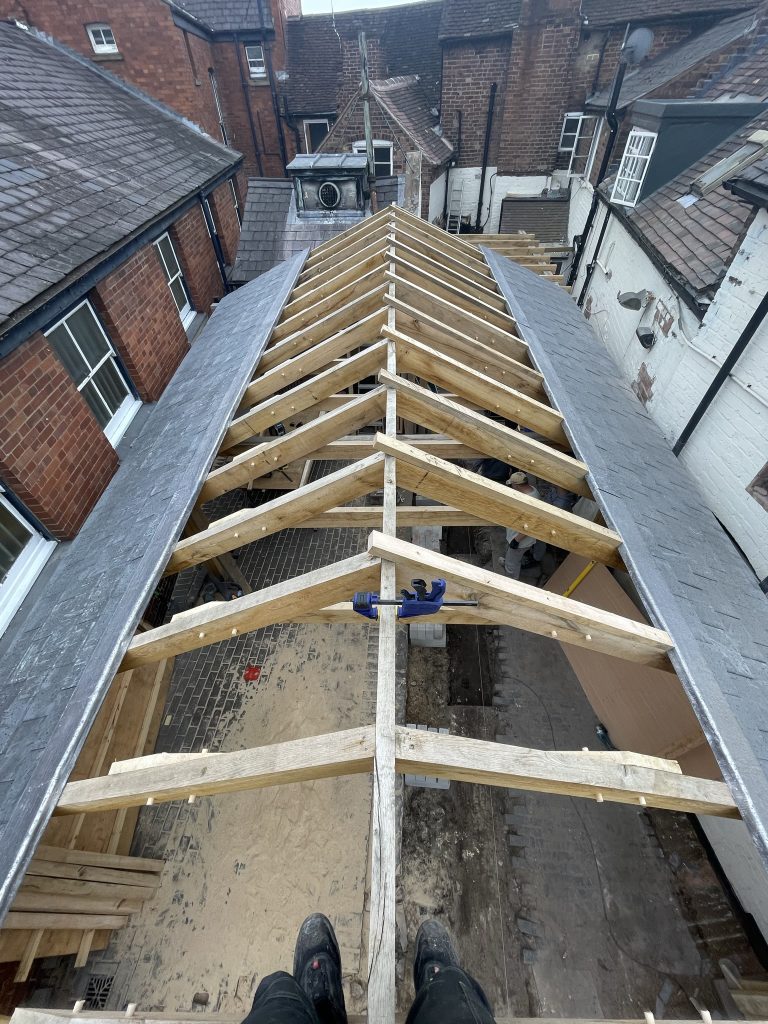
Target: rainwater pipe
(486, 149)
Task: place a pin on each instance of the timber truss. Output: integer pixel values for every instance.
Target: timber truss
(400, 326)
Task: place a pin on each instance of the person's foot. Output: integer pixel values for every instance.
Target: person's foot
(317, 969)
(434, 951)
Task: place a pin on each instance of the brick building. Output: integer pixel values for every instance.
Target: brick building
(115, 233)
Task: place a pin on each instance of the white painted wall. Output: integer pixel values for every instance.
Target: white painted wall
(730, 445)
(436, 198)
(497, 188)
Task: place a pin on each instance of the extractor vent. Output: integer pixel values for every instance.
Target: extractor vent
(97, 991)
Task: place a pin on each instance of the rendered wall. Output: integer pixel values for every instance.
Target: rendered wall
(728, 448)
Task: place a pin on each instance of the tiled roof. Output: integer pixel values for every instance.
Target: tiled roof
(690, 575)
(272, 232)
(651, 75)
(59, 655)
(745, 74)
(85, 161)
(406, 103)
(697, 242)
(463, 19)
(618, 12)
(230, 15)
(401, 41)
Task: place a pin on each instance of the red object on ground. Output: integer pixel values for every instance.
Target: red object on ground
(252, 674)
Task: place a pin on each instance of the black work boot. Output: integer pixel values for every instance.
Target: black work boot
(434, 950)
(317, 969)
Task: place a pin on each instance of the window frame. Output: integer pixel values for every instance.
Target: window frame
(258, 62)
(122, 416)
(101, 47)
(360, 147)
(571, 115)
(633, 164)
(188, 313)
(26, 567)
(235, 201)
(314, 120)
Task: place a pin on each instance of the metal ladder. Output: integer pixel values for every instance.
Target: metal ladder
(455, 210)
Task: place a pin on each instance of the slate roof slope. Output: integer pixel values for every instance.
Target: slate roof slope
(650, 75)
(601, 13)
(470, 19)
(690, 576)
(57, 661)
(745, 75)
(230, 15)
(272, 231)
(85, 161)
(402, 41)
(406, 103)
(697, 242)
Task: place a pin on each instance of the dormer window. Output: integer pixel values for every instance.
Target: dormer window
(102, 38)
(634, 167)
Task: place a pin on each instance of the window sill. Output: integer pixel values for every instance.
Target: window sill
(101, 58)
(259, 81)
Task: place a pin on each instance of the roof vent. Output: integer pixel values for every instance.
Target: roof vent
(329, 195)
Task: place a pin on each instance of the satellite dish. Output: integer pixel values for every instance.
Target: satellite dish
(637, 45)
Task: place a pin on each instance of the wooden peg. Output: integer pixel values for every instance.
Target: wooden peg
(130, 1009)
(599, 798)
(77, 1008)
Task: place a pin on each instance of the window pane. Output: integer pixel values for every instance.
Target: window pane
(166, 248)
(179, 293)
(99, 410)
(111, 385)
(89, 336)
(73, 362)
(316, 130)
(14, 536)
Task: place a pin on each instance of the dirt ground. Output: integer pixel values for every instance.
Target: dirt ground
(248, 867)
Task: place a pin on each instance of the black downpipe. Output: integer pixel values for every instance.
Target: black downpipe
(247, 98)
(722, 374)
(593, 262)
(613, 124)
(486, 148)
(276, 108)
(216, 241)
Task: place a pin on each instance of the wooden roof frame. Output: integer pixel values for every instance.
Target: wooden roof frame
(398, 299)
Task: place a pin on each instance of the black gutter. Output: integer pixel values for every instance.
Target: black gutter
(247, 99)
(613, 123)
(722, 374)
(750, 192)
(275, 106)
(486, 149)
(68, 295)
(216, 242)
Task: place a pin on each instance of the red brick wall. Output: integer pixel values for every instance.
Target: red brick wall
(153, 52)
(141, 319)
(227, 225)
(225, 55)
(543, 51)
(468, 72)
(53, 453)
(194, 249)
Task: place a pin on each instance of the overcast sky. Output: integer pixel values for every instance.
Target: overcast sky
(324, 6)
